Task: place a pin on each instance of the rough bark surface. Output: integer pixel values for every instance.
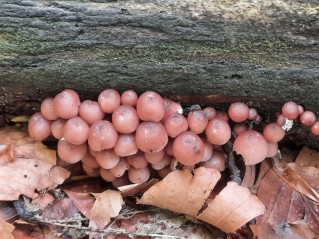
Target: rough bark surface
(203, 51)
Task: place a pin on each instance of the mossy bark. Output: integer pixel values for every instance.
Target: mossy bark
(264, 52)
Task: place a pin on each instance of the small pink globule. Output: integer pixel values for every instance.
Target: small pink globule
(252, 114)
(90, 111)
(238, 112)
(239, 128)
(107, 175)
(109, 100)
(155, 157)
(57, 128)
(258, 118)
(151, 136)
(175, 124)
(308, 118)
(150, 106)
(197, 121)
(208, 151)
(125, 119)
(102, 135)
(89, 160)
(171, 107)
(71, 153)
(188, 148)
(137, 160)
(66, 104)
(91, 172)
(300, 109)
(315, 128)
(119, 169)
(47, 109)
(129, 97)
(107, 158)
(252, 146)
(125, 145)
(290, 110)
(166, 160)
(217, 161)
(140, 175)
(39, 128)
(281, 120)
(76, 131)
(121, 181)
(218, 131)
(210, 112)
(222, 115)
(273, 132)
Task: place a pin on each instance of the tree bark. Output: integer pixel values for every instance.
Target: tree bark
(203, 51)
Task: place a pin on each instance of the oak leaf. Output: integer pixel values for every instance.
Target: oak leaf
(182, 192)
(28, 167)
(108, 204)
(286, 205)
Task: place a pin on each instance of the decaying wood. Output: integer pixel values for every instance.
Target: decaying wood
(262, 52)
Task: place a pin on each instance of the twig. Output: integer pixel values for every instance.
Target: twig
(101, 231)
(230, 160)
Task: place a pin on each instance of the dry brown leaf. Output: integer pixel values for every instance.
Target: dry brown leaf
(28, 231)
(294, 180)
(308, 157)
(6, 230)
(27, 177)
(28, 167)
(283, 231)
(285, 205)
(80, 192)
(23, 146)
(60, 209)
(108, 204)
(182, 192)
(232, 208)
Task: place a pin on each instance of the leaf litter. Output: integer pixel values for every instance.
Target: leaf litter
(292, 210)
(28, 168)
(100, 211)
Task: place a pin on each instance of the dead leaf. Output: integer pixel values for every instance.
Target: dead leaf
(294, 180)
(6, 230)
(182, 192)
(284, 204)
(283, 231)
(308, 157)
(80, 192)
(32, 168)
(108, 204)
(28, 177)
(232, 208)
(28, 231)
